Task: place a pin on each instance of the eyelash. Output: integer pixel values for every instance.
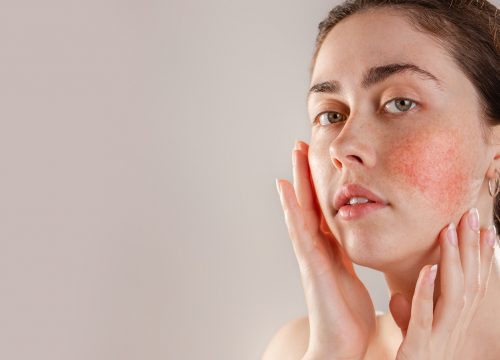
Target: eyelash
(413, 105)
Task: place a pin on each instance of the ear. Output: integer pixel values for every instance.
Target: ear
(494, 154)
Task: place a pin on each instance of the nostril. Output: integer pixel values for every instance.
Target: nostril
(355, 158)
(338, 164)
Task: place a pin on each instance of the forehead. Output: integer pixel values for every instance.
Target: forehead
(375, 37)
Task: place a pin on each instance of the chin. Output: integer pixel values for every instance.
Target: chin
(371, 258)
(365, 248)
(389, 253)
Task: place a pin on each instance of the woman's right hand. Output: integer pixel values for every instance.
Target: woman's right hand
(342, 317)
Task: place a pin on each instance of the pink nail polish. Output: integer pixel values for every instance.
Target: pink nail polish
(473, 219)
(451, 234)
(492, 235)
(432, 273)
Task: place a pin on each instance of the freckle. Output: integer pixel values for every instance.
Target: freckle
(430, 162)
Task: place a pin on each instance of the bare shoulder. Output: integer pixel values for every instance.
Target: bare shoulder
(292, 339)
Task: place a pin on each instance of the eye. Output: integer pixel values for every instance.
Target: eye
(330, 117)
(401, 105)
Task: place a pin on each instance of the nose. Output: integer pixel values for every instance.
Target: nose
(354, 145)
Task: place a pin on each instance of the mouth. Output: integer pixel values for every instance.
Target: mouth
(353, 212)
(353, 201)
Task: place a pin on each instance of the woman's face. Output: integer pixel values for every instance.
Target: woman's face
(425, 157)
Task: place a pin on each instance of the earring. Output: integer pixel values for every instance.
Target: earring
(496, 190)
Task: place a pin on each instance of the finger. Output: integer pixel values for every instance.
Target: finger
(400, 309)
(306, 194)
(320, 282)
(304, 149)
(451, 300)
(307, 248)
(488, 245)
(302, 185)
(302, 146)
(468, 244)
(422, 309)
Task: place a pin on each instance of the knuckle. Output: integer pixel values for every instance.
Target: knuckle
(456, 302)
(475, 241)
(403, 353)
(425, 321)
(475, 288)
(481, 293)
(462, 299)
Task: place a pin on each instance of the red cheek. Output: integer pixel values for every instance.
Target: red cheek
(430, 163)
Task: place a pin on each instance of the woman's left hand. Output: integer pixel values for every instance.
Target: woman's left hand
(432, 334)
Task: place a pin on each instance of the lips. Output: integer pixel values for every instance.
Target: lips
(348, 191)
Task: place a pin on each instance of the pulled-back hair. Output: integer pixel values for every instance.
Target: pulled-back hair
(467, 29)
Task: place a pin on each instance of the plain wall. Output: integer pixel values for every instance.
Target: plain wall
(139, 146)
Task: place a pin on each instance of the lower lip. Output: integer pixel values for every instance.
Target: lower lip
(353, 212)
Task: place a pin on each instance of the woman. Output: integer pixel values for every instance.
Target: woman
(402, 172)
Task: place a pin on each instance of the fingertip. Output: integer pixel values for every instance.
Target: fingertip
(426, 281)
(451, 234)
(432, 274)
(422, 313)
(302, 146)
(443, 236)
(491, 235)
(288, 194)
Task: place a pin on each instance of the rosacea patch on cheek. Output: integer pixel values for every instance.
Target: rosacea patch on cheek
(430, 162)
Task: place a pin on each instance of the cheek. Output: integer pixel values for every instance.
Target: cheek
(431, 163)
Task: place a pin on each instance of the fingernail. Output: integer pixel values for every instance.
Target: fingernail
(296, 145)
(452, 234)
(473, 219)
(278, 186)
(492, 235)
(432, 273)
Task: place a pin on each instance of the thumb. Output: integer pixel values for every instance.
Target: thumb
(401, 311)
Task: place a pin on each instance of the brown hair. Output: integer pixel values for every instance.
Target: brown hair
(467, 29)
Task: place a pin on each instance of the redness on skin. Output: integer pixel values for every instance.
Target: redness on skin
(431, 163)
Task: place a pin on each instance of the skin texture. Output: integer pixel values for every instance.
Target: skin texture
(427, 163)
(430, 164)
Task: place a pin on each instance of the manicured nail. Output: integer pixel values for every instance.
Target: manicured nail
(296, 145)
(432, 273)
(278, 187)
(492, 235)
(473, 219)
(451, 233)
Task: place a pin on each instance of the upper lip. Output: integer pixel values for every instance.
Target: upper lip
(344, 193)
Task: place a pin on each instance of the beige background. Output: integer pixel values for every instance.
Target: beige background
(139, 144)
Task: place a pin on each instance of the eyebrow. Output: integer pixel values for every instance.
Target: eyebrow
(374, 76)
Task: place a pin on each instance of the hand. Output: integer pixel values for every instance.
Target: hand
(439, 333)
(341, 313)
